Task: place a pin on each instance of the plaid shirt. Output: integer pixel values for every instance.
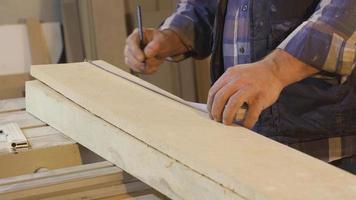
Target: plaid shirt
(327, 41)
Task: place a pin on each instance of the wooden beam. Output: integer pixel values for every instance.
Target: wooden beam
(72, 32)
(92, 181)
(13, 86)
(38, 45)
(153, 167)
(8, 105)
(22, 118)
(186, 155)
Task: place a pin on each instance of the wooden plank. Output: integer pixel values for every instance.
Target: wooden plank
(8, 105)
(110, 31)
(153, 167)
(13, 86)
(229, 157)
(42, 131)
(38, 45)
(99, 193)
(72, 31)
(22, 118)
(35, 159)
(50, 181)
(39, 138)
(93, 181)
(86, 23)
(136, 194)
(54, 173)
(145, 197)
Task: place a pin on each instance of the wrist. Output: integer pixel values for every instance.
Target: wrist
(288, 69)
(177, 44)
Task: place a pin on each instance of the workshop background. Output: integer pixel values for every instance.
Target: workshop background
(75, 30)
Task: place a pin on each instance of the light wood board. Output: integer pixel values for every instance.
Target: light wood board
(155, 168)
(38, 45)
(92, 181)
(13, 86)
(72, 33)
(238, 163)
(14, 104)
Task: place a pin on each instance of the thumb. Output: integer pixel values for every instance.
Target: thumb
(152, 48)
(156, 45)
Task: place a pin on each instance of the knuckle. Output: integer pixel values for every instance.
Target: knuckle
(210, 93)
(218, 98)
(229, 107)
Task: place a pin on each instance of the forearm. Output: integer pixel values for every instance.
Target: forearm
(327, 39)
(287, 68)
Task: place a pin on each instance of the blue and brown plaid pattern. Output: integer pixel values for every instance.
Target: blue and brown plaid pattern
(236, 46)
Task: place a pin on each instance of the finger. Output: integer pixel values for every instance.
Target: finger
(213, 90)
(152, 65)
(233, 105)
(127, 61)
(133, 43)
(221, 98)
(152, 49)
(133, 67)
(158, 45)
(134, 63)
(252, 115)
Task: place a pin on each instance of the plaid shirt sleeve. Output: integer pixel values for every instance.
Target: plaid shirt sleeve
(327, 40)
(193, 22)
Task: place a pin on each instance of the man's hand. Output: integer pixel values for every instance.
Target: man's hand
(158, 46)
(258, 84)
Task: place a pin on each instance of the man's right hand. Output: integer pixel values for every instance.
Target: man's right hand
(158, 45)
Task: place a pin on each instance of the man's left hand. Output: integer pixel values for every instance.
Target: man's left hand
(257, 84)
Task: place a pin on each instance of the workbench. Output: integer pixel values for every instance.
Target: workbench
(52, 167)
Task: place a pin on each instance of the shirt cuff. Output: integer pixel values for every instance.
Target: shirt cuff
(183, 27)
